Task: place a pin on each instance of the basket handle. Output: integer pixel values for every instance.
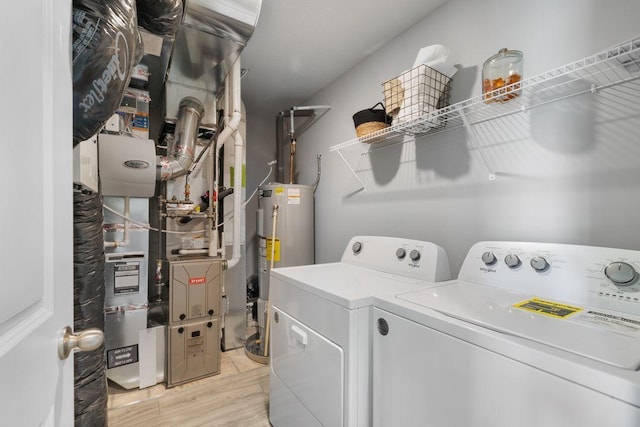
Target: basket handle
(380, 104)
(387, 118)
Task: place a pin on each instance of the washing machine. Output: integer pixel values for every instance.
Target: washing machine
(320, 322)
(529, 335)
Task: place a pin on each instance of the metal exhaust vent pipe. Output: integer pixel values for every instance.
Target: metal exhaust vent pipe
(181, 148)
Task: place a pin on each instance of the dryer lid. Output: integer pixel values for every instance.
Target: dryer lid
(602, 335)
(348, 285)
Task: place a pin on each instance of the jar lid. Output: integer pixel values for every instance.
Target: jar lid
(504, 53)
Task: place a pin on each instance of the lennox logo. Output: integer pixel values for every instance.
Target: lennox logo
(197, 280)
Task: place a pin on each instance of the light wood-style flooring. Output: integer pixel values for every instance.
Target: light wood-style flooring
(238, 396)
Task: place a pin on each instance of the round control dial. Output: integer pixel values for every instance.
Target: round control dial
(489, 258)
(401, 253)
(620, 273)
(512, 261)
(539, 263)
(414, 255)
(356, 247)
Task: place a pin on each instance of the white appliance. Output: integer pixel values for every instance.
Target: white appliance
(529, 335)
(321, 318)
(127, 165)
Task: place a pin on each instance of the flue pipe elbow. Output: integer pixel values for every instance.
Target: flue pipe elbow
(181, 150)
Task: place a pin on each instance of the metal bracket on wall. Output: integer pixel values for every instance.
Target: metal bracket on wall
(474, 139)
(284, 129)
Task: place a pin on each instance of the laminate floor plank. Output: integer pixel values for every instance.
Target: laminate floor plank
(238, 396)
(136, 414)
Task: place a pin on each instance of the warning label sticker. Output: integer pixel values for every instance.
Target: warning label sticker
(293, 196)
(122, 356)
(548, 308)
(273, 248)
(611, 322)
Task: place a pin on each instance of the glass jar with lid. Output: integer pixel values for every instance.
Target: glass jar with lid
(502, 73)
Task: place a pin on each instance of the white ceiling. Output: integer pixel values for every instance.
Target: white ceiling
(300, 46)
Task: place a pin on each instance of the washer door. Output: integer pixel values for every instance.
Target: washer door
(310, 366)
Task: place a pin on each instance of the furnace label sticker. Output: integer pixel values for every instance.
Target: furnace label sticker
(122, 356)
(293, 196)
(610, 322)
(126, 278)
(548, 308)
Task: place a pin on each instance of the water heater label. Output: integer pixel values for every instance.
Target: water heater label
(293, 196)
(273, 247)
(279, 191)
(197, 280)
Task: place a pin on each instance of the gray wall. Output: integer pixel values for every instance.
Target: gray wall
(261, 149)
(565, 174)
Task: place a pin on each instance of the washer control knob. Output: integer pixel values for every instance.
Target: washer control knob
(401, 253)
(539, 263)
(512, 261)
(620, 273)
(489, 258)
(414, 255)
(356, 248)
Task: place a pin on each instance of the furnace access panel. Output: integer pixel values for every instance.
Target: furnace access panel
(194, 328)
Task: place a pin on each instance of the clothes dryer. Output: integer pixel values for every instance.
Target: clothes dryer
(321, 318)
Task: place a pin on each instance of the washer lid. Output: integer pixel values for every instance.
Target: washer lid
(603, 335)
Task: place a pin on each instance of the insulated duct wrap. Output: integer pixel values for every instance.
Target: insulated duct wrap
(106, 47)
(161, 17)
(90, 380)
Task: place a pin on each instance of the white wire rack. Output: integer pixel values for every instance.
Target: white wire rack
(616, 66)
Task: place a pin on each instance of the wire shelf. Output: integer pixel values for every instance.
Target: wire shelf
(615, 66)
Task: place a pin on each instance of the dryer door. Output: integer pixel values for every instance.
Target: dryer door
(310, 366)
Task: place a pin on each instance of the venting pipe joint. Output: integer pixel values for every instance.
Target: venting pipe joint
(181, 149)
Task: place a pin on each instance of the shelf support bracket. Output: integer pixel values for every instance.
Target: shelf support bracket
(474, 140)
(364, 188)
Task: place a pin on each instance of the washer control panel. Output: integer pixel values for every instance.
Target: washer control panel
(593, 276)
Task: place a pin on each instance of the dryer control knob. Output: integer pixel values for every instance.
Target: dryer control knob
(401, 253)
(489, 258)
(620, 273)
(356, 247)
(512, 261)
(414, 255)
(539, 263)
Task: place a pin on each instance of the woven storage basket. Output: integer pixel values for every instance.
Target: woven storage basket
(416, 92)
(371, 120)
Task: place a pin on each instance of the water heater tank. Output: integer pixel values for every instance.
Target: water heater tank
(293, 243)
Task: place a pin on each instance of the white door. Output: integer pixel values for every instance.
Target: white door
(36, 213)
